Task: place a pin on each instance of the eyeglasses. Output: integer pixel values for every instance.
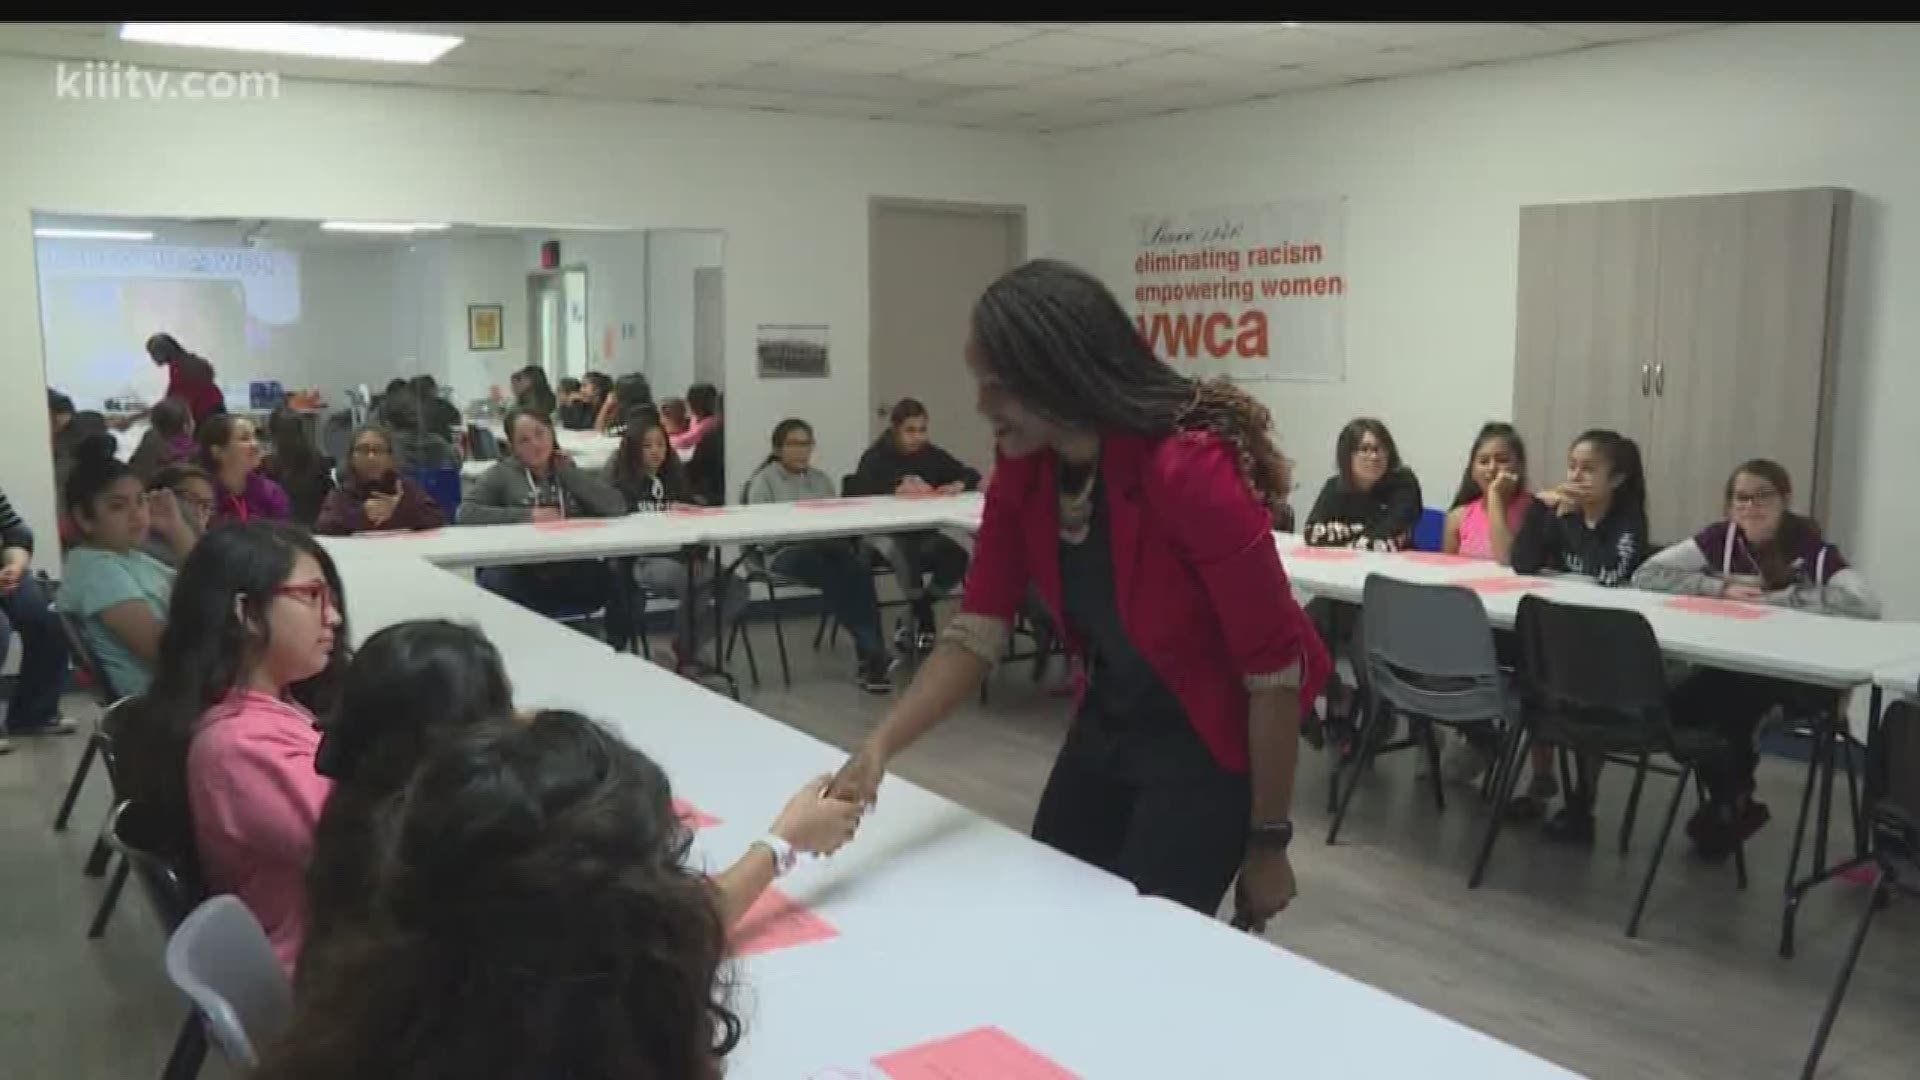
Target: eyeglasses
(1755, 498)
(1371, 450)
(315, 594)
(799, 444)
(372, 451)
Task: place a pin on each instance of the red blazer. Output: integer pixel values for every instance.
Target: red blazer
(1199, 583)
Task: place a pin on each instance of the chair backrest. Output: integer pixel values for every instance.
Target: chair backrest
(1429, 533)
(847, 482)
(442, 484)
(482, 444)
(1893, 781)
(1592, 661)
(221, 959)
(159, 859)
(1429, 650)
(103, 690)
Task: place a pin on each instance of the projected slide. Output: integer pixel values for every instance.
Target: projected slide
(99, 302)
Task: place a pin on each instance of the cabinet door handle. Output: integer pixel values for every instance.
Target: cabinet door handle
(1660, 379)
(1646, 374)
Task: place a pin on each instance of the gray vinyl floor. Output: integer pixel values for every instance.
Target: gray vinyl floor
(1536, 957)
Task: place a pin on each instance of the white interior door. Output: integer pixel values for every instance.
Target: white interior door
(927, 265)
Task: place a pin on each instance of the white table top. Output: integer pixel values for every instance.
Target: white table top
(634, 534)
(946, 921)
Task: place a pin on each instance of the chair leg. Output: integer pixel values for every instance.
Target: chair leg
(108, 901)
(1633, 803)
(101, 855)
(779, 636)
(189, 1050)
(1858, 812)
(1659, 850)
(73, 786)
(1793, 856)
(1740, 865)
(1431, 745)
(1363, 751)
(1518, 742)
(1832, 1010)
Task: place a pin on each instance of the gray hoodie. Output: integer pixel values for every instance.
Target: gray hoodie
(772, 483)
(505, 494)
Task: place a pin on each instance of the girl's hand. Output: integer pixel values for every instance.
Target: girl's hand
(1734, 590)
(815, 822)
(1503, 486)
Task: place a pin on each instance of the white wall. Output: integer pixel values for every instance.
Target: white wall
(481, 271)
(672, 257)
(616, 264)
(791, 194)
(1436, 169)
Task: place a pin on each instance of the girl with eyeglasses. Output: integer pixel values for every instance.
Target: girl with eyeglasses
(1764, 553)
(372, 497)
(193, 493)
(254, 644)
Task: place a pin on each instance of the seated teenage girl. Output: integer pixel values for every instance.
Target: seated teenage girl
(372, 496)
(1762, 552)
(193, 493)
(835, 567)
(1595, 525)
(1371, 502)
(113, 589)
(230, 452)
(169, 439)
(651, 477)
(304, 473)
(1492, 502)
(904, 461)
(539, 484)
(255, 638)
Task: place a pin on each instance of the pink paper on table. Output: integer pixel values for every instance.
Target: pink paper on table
(981, 1054)
(696, 511)
(387, 534)
(569, 524)
(695, 817)
(1725, 609)
(1516, 583)
(1438, 558)
(831, 504)
(776, 922)
(1321, 554)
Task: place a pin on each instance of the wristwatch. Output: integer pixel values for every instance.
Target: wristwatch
(1271, 836)
(784, 856)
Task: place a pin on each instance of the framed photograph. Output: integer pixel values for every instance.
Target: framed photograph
(483, 327)
(792, 352)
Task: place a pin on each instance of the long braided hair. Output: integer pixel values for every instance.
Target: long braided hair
(1061, 343)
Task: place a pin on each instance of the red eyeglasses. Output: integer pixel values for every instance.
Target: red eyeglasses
(314, 594)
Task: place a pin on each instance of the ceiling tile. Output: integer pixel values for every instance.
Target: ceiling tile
(1510, 43)
(532, 55)
(863, 57)
(620, 87)
(1185, 65)
(671, 66)
(1069, 50)
(1389, 35)
(1381, 65)
(1627, 31)
(779, 77)
(1284, 46)
(756, 42)
(485, 77)
(1172, 34)
(603, 35)
(1088, 85)
(982, 71)
(1017, 100)
(957, 38)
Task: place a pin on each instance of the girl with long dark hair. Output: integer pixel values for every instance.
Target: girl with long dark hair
(1761, 552)
(1492, 501)
(1372, 501)
(301, 470)
(230, 452)
(533, 915)
(255, 641)
(1138, 502)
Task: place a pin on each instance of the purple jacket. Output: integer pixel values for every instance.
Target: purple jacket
(263, 500)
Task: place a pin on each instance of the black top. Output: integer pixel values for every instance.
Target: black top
(1378, 519)
(1129, 718)
(578, 415)
(1608, 552)
(707, 468)
(306, 481)
(883, 466)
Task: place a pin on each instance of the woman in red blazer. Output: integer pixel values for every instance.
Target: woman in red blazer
(1138, 503)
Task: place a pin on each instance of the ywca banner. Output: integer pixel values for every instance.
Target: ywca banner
(1250, 292)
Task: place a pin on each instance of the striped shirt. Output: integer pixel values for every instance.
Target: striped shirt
(13, 529)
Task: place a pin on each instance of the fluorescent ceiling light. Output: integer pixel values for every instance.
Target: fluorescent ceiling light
(405, 227)
(92, 234)
(298, 39)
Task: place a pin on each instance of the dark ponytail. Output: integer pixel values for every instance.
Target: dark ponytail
(1492, 429)
(96, 468)
(1623, 459)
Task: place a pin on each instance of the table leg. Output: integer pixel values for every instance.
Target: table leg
(1829, 738)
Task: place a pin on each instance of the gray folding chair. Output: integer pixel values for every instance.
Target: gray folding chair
(221, 959)
(1428, 653)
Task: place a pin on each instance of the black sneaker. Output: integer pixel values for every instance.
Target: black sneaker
(925, 642)
(876, 672)
(1570, 826)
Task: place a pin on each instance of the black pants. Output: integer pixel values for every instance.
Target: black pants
(555, 589)
(1152, 807)
(917, 556)
(1733, 704)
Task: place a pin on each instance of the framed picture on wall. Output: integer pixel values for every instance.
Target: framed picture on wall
(483, 327)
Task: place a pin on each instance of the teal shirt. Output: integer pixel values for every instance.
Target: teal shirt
(97, 580)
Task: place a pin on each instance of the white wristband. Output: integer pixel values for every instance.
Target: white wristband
(784, 856)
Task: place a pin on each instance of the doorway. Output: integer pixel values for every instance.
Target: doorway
(928, 262)
(557, 332)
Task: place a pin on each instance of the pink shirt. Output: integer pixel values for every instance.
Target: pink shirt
(691, 437)
(256, 800)
(1476, 536)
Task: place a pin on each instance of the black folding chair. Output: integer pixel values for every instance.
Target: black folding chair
(1428, 654)
(104, 693)
(163, 862)
(1596, 685)
(1892, 817)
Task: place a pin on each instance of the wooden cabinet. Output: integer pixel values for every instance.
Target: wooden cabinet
(1701, 327)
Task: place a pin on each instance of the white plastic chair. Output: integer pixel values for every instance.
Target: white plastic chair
(221, 959)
